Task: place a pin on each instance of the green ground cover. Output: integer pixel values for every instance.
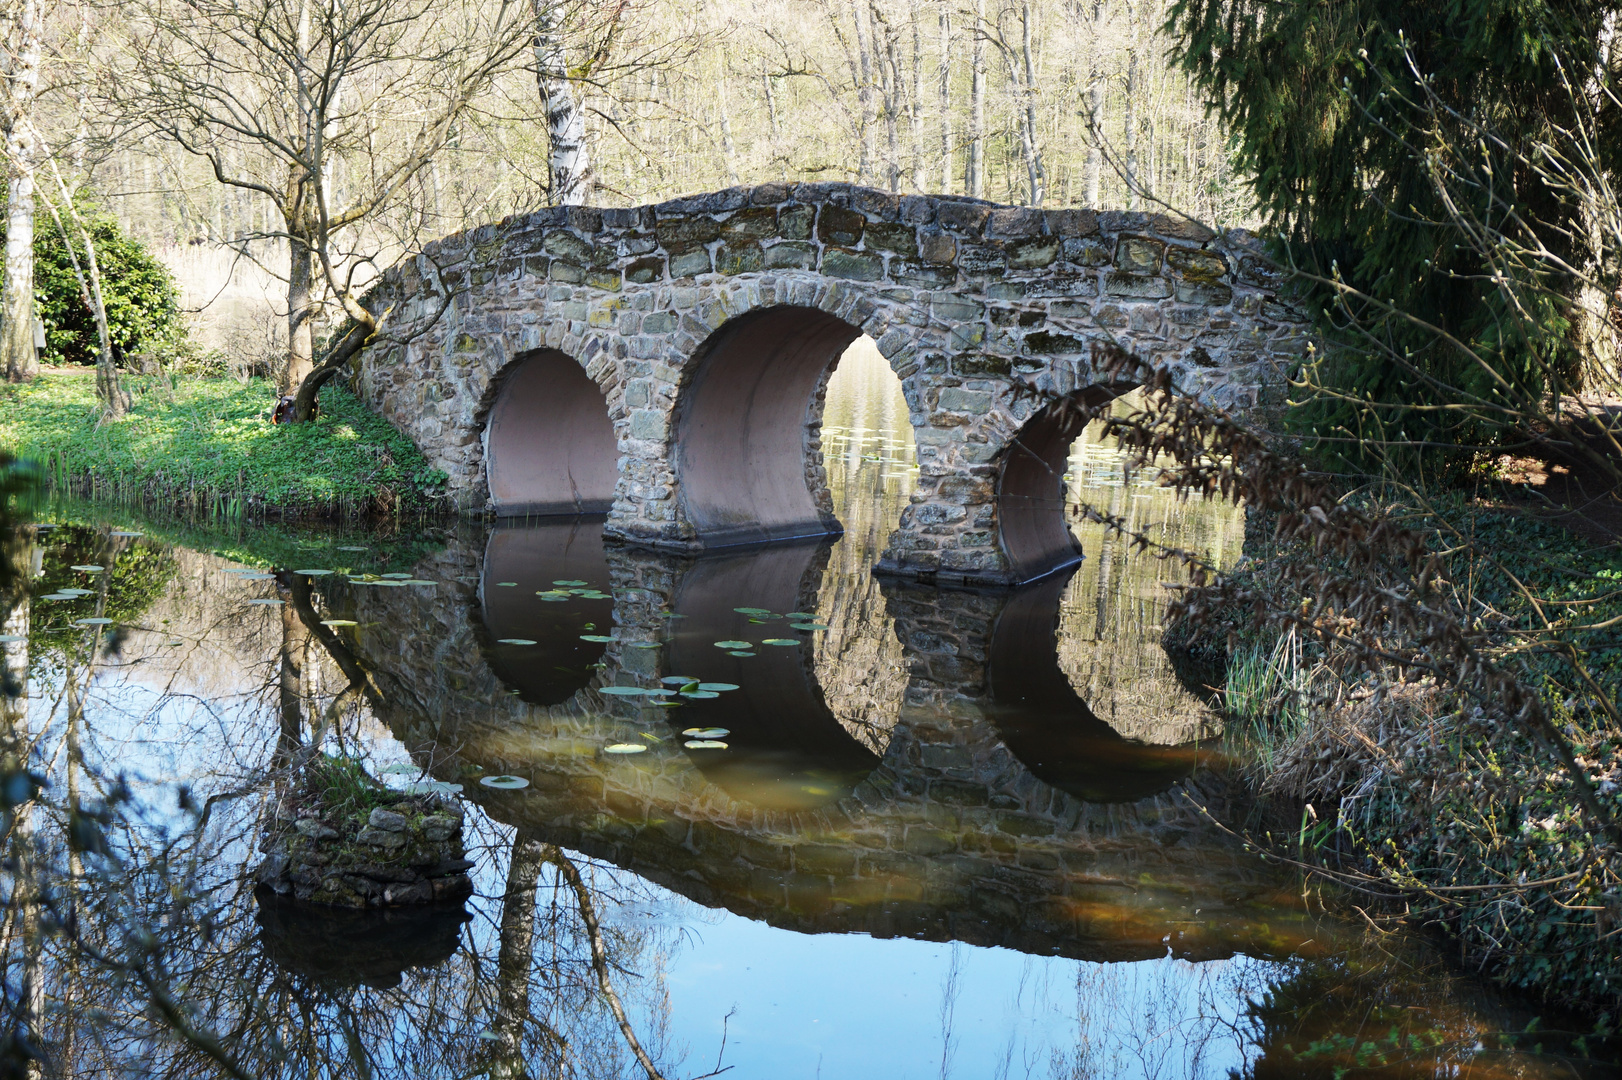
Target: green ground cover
(191, 443)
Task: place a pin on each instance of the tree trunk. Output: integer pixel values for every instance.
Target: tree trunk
(516, 960)
(920, 179)
(1133, 85)
(864, 93)
(729, 149)
(17, 294)
(290, 685)
(948, 172)
(300, 316)
(568, 161)
(1035, 170)
(976, 178)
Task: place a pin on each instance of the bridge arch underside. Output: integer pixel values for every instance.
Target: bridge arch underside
(748, 444)
(550, 447)
(1033, 530)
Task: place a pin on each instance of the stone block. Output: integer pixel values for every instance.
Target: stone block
(791, 255)
(1136, 287)
(851, 265)
(937, 247)
(840, 226)
(923, 277)
(679, 232)
(1033, 253)
(769, 194)
(649, 424)
(1256, 270)
(826, 859)
(388, 820)
(566, 245)
(794, 222)
(606, 280)
(886, 236)
(382, 838)
(957, 399)
(1204, 295)
(926, 842)
(1196, 265)
(979, 259)
(1072, 222)
(1136, 255)
(981, 365)
(962, 218)
(1015, 221)
(1180, 228)
(1086, 252)
(917, 209)
(567, 273)
(1047, 343)
(660, 322)
(439, 827)
(314, 829)
(690, 264)
(1062, 285)
(750, 223)
(739, 258)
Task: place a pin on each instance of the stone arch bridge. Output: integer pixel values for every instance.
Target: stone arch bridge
(666, 365)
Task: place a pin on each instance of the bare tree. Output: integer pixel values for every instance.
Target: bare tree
(21, 59)
(327, 111)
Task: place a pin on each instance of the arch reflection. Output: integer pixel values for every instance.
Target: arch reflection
(522, 560)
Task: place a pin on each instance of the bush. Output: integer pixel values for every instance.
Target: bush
(142, 300)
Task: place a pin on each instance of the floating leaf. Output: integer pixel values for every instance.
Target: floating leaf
(807, 615)
(699, 695)
(60, 596)
(570, 582)
(642, 644)
(552, 599)
(402, 577)
(417, 581)
(595, 637)
(505, 783)
(312, 573)
(124, 534)
(707, 732)
(93, 622)
(752, 610)
(77, 592)
(781, 641)
(678, 680)
(808, 626)
(338, 622)
(718, 686)
(705, 744)
(514, 641)
(504, 584)
(88, 569)
(625, 748)
(401, 768)
(623, 691)
(740, 652)
(732, 644)
(432, 787)
(266, 602)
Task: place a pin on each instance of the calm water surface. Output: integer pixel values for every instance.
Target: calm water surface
(943, 834)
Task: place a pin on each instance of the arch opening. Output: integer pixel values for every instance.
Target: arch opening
(549, 447)
(1033, 530)
(748, 433)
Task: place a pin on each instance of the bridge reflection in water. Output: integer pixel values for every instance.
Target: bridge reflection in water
(1001, 810)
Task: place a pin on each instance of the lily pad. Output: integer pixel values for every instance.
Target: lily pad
(718, 686)
(707, 732)
(572, 581)
(93, 622)
(678, 680)
(89, 569)
(514, 641)
(625, 748)
(401, 768)
(599, 638)
(77, 592)
(781, 641)
(752, 610)
(739, 652)
(418, 581)
(506, 584)
(312, 573)
(732, 644)
(623, 691)
(552, 599)
(124, 534)
(704, 744)
(642, 644)
(505, 783)
(432, 787)
(809, 616)
(808, 626)
(338, 622)
(699, 695)
(399, 576)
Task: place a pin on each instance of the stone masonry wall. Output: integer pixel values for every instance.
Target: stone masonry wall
(965, 299)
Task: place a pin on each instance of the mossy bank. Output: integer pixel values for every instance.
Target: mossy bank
(209, 444)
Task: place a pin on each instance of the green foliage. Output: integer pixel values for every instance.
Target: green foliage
(1320, 100)
(342, 790)
(142, 300)
(136, 574)
(210, 443)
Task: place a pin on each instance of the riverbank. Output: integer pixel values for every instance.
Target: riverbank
(208, 444)
(1411, 793)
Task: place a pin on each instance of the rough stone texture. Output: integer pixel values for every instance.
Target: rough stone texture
(949, 837)
(961, 296)
(408, 854)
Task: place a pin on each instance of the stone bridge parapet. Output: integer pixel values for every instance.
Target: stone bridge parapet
(666, 364)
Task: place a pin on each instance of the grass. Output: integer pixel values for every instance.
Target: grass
(208, 444)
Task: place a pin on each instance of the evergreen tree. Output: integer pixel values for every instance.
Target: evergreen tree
(1353, 164)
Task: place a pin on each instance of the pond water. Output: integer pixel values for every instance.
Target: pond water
(891, 831)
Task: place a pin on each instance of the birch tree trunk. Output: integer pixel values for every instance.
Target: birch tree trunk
(976, 178)
(1035, 171)
(1134, 84)
(1094, 100)
(568, 160)
(17, 293)
(920, 179)
(948, 172)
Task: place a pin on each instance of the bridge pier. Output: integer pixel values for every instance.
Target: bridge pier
(708, 327)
